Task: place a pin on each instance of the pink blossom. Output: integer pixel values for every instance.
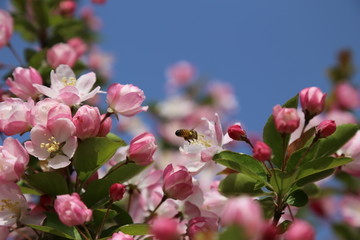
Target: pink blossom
(347, 96)
(236, 132)
(300, 230)
(201, 224)
(87, 13)
(165, 229)
(181, 73)
(15, 116)
(142, 148)
(87, 122)
(223, 96)
(105, 126)
(71, 210)
(244, 212)
(262, 151)
(61, 53)
(22, 85)
(117, 191)
(78, 45)
(67, 7)
(312, 101)
(125, 100)
(350, 210)
(101, 62)
(326, 128)
(13, 160)
(177, 182)
(121, 236)
(286, 119)
(341, 117)
(55, 142)
(6, 27)
(352, 149)
(67, 89)
(13, 204)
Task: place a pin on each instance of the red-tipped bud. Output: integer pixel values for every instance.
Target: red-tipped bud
(262, 151)
(117, 191)
(67, 7)
(326, 128)
(286, 119)
(236, 132)
(312, 101)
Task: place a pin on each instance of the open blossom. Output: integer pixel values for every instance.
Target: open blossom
(286, 119)
(6, 27)
(177, 182)
(67, 89)
(300, 230)
(78, 45)
(125, 100)
(87, 122)
(47, 109)
(15, 116)
(55, 142)
(71, 210)
(181, 73)
(352, 149)
(13, 160)
(61, 53)
(201, 224)
(312, 100)
(22, 83)
(142, 149)
(13, 204)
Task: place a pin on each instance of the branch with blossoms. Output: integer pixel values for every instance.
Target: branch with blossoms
(66, 171)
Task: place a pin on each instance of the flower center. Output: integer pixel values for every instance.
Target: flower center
(51, 146)
(201, 140)
(12, 206)
(71, 81)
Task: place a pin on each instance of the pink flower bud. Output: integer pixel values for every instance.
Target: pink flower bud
(236, 132)
(286, 119)
(22, 85)
(87, 122)
(61, 53)
(125, 99)
(6, 27)
(180, 73)
(312, 100)
(67, 7)
(262, 151)
(117, 191)
(300, 230)
(165, 229)
(105, 126)
(246, 213)
(121, 236)
(201, 224)
(71, 210)
(142, 149)
(13, 160)
(177, 182)
(347, 96)
(78, 45)
(326, 128)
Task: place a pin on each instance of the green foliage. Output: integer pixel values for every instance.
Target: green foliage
(134, 229)
(298, 198)
(284, 226)
(44, 182)
(238, 183)
(274, 139)
(232, 233)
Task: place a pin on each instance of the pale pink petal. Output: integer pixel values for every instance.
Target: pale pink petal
(59, 161)
(86, 82)
(90, 94)
(50, 92)
(70, 147)
(61, 129)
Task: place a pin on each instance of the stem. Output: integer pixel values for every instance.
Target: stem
(266, 168)
(291, 214)
(285, 150)
(87, 231)
(103, 220)
(15, 54)
(130, 197)
(307, 151)
(152, 213)
(276, 181)
(82, 234)
(248, 142)
(105, 117)
(120, 165)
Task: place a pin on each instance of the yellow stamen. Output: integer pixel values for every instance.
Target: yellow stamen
(51, 146)
(7, 204)
(71, 81)
(201, 140)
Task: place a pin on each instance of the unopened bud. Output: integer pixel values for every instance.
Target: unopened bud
(326, 128)
(117, 191)
(262, 151)
(236, 132)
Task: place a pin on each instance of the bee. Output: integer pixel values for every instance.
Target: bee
(188, 134)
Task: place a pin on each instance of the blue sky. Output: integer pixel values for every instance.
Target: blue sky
(268, 50)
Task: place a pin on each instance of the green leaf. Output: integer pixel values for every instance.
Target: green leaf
(298, 198)
(23, 26)
(311, 189)
(98, 215)
(233, 233)
(321, 164)
(345, 232)
(283, 227)
(135, 229)
(267, 205)
(50, 230)
(37, 59)
(238, 183)
(274, 139)
(243, 163)
(99, 189)
(122, 217)
(92, 153)
(282, 181)
(41, 13)
(50, 183)
(314, 177)
(27, 190)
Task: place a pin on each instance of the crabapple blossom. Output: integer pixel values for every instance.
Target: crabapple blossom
(125, 100)
(326, 128)
(165, 228)
(55, 142)
(352, 149)
(67, 89)
(67, 7)
(71, 210)
(105, 126)
(6, 27)
(22, 83)
(142, 149)
(300, 230)
(87, 122)
(13, 160)
(117, 191)
(223, 96)
(4, 233)
(61, 53)
(177, 182)
(201, 224)
(13, 204)
(286, 119)
(312, 101)
(15, 116)
(78, 45)
(181, 73)
(99, 61)
(262, 151)
(121, 236)
(347, 96)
